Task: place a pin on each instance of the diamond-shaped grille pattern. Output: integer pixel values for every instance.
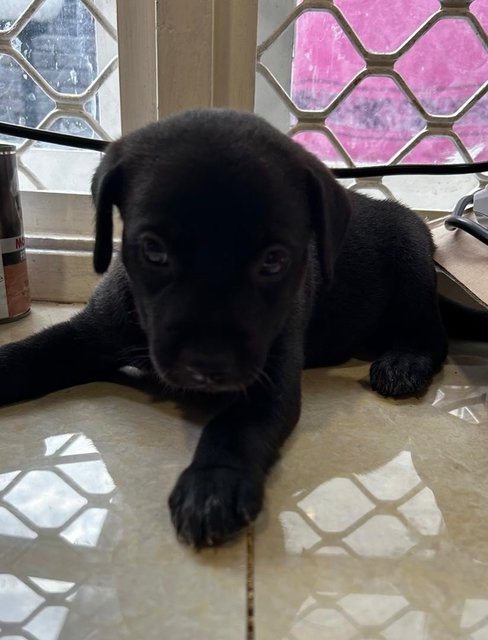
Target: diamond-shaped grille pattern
(384, 39)
(429, 59)
(374, 130)
(383, 90)
(59, 502)
(57, 59)
(17, 600)
(316, 96)
(381, 516)
(319, 505)
(344, 516)
(63, 499)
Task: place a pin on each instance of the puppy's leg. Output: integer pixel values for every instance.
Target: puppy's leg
(61, 356)
(417, 338)
(94, 343)
(222, 490)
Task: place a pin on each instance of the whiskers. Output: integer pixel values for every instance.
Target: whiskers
(243, 390)
(262, 378)
(139, 357)
(135, 356)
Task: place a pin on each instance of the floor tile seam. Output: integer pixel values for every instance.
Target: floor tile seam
(250, 584)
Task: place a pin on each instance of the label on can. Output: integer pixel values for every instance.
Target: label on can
(14, 281)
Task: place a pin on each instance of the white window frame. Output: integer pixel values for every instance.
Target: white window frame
(173, 55)
(59, 225)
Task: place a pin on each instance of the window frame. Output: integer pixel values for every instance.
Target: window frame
(59, 225)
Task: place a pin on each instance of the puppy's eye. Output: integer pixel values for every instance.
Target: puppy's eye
(275, 261)
(154, 252)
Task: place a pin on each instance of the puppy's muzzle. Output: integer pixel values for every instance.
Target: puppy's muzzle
(212, 372)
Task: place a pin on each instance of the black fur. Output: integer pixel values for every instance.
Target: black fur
(217, 191)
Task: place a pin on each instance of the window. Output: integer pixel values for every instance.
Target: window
(358, 85)
(60, 73)
(348, 79)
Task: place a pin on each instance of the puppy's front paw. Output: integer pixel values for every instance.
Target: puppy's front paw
(401, 374)
(209, 505)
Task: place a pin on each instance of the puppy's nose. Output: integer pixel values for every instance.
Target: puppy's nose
(206, 367)
(207, 376)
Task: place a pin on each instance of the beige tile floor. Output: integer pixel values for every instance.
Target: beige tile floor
(376, 521)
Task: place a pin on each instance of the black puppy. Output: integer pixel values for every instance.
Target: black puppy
(242, 261)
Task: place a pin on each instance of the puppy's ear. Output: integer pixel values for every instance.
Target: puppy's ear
(106, 192)
(331, 209)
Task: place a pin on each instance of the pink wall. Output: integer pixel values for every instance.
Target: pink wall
(444, 68)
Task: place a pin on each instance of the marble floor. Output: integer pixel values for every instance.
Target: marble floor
(375, 526)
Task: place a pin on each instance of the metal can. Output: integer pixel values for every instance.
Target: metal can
(14, 280)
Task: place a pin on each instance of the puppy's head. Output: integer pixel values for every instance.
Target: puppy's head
(218, 212)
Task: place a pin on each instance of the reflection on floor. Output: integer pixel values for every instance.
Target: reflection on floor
(375, 523)
(64, 495)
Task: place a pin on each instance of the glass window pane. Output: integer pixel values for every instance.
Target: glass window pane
(361, 86)
(60, 74)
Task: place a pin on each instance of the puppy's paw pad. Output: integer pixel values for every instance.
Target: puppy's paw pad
(401, 374)
(210, 505)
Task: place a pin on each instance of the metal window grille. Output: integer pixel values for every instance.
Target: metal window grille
(57, 57)
(318, 117)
